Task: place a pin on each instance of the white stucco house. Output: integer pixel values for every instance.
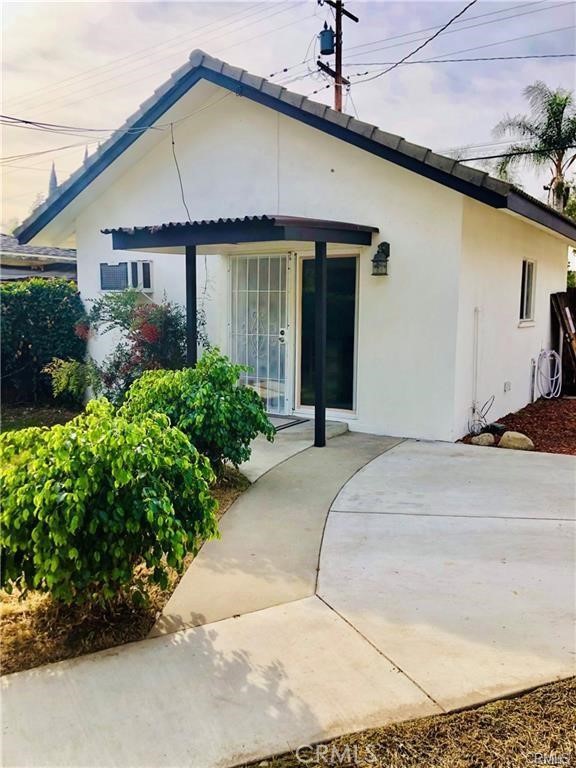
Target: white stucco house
(268, 176)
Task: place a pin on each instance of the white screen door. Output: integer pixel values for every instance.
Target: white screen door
(258, 325)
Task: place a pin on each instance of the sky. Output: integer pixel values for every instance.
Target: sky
(91, 64)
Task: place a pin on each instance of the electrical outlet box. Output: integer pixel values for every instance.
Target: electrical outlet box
(507, 386)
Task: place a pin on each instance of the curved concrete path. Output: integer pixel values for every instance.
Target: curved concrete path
(446, 578)
(270, 538)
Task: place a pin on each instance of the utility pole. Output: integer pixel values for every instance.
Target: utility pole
(336, 73)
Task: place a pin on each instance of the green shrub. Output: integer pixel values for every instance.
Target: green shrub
(86, 502)
(72, 378)
(220, 416)
(40, 320)
(152, 336)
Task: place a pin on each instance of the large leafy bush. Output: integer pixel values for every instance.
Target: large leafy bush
(220, 416)
(40, 321)
(86, 502)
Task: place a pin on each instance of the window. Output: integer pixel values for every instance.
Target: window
(527, 290)
(114, 277)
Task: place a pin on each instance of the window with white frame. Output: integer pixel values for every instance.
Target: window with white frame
(527, 290)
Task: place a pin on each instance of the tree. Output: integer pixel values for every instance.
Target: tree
(547, 137)
(570, 209)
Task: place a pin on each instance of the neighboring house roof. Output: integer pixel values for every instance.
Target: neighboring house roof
(9, 245)
(9, 274)
(19, 262)
(421, 160)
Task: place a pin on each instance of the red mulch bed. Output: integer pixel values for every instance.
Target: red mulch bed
(550, 424)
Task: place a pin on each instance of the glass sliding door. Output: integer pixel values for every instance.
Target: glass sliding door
(340, 342)
(259, 325)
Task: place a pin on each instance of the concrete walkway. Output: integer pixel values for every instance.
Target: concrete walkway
(270, 546)
(446, 578)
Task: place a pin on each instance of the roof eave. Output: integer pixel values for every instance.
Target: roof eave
(424, 162)
(523, 205)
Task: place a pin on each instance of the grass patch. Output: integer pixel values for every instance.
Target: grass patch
(22, 416)
(537, 728)
(35, 630)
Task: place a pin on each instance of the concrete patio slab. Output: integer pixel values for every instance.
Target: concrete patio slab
(271, 537)
(455, 479)
(457, 562)
(211, 696)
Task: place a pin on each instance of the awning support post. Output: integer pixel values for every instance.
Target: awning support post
(191, 307)
(320, 291)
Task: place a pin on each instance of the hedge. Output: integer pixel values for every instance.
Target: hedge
(39, 319)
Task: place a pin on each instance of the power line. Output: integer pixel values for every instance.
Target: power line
(518, 153)
(61, 99)
(147, 77)
(10, 158)
(424, 44)
(459, 29)
(18, 122)
(163, 127)
(140, 53)
(474, 48)
(428, 29)
(477, 58)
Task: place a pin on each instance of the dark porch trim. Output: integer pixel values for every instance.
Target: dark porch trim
(250, 229)
(191, 307)
(320, 321)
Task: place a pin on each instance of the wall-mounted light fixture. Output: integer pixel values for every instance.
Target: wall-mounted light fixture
(380, 259)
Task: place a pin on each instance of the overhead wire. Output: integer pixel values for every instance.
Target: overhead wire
(145, 53)
(459, 29)
(475, 48)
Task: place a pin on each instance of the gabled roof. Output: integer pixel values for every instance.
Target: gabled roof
(421, 160)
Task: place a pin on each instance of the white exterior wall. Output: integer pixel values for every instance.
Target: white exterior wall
(448, 255)
(239, 158)
(494, 245)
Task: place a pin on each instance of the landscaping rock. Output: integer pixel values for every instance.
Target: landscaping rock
(484, 439)
(516, 440)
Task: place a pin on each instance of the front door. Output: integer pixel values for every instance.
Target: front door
(259, 325)
(340, 335)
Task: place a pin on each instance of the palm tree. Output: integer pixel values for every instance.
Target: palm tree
(547, 137)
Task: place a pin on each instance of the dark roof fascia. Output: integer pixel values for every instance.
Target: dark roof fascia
(484, 194)
(181, 86)
(179, 89)
(251, 230)
(524, 205)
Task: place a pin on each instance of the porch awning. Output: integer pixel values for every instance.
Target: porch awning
(253, 229)
(248, 229)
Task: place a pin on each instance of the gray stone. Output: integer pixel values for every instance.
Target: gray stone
(516, 440)
(486, 438)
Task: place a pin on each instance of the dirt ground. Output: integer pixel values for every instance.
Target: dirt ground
(35, 631)
(21, 416)
(550, 424)
(537, 728)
